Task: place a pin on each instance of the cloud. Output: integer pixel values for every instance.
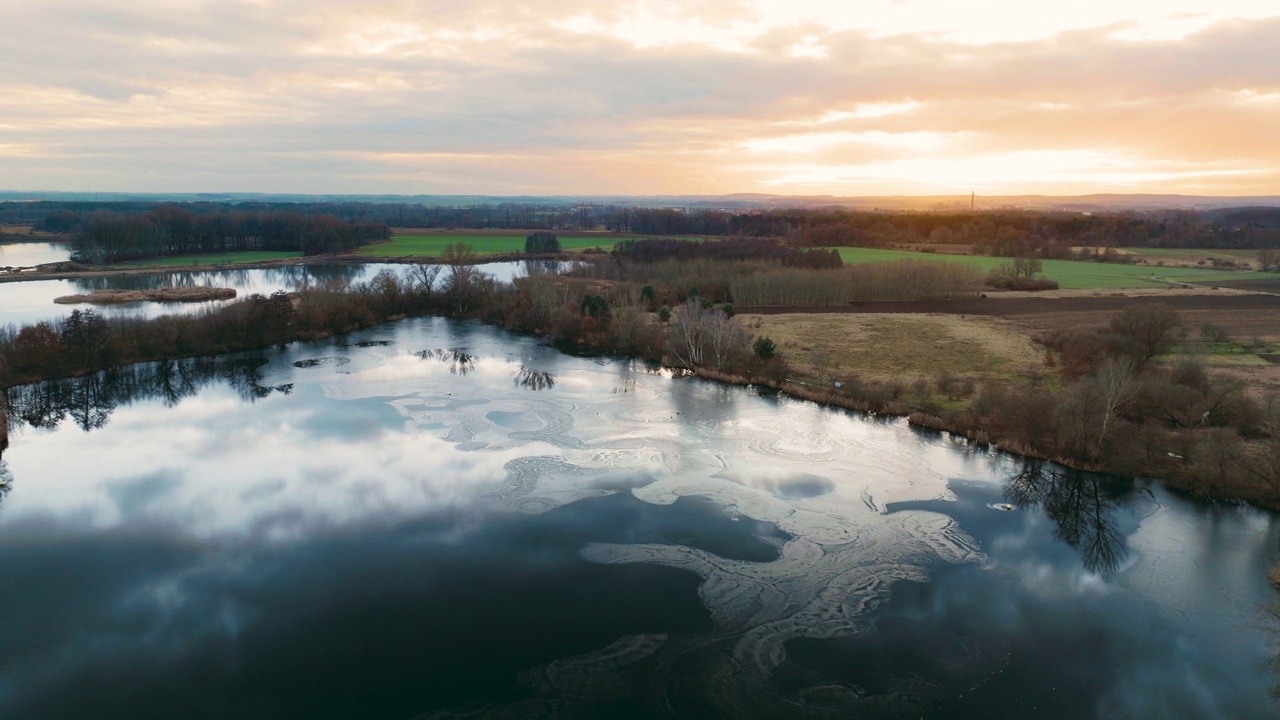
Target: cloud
(657, 97)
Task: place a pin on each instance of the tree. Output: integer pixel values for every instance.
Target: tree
(1027, 266)
(1115, 385)
(702, 336)
(1269, 260)
(1144, 331)
(541, 243)
(85, 336)
(649, 297)
(463, 285)
(422, 278)
(596, 307)
(36, 346)
(1214, 334)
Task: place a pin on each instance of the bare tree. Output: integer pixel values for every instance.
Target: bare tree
(1115, 383)
(701, 336)
(1268, 260)
(1146, 330)
(464, 283)
(423, 277)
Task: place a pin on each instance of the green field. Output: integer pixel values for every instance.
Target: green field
(247, 256)
(432, 244)
(1070, 274)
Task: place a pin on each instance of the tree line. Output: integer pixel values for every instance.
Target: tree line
(108, 236)
(997, 232)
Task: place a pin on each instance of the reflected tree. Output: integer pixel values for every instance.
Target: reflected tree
(534, 380)
(90, 400)
(536, 268)
(1080, 507)
(459, 361)
(6, 481)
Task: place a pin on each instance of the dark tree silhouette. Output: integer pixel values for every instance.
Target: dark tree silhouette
(1081, 509)
(534, 380)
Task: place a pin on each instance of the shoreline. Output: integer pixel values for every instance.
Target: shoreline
(963, 426)
(268, 264)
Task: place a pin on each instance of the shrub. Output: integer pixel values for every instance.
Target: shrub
(1010, 282)
(764, 348)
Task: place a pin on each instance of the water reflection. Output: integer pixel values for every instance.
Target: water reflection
(1081, 507)
(89, 401)
(460, 362)
(30, 254)
(407, 534)
(534, 268)
(290, 277)
(6, 481)
(534, 380)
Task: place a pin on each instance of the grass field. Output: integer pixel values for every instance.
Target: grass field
(899, 347)
(247, 256)
(432, 244)
(1070, 274)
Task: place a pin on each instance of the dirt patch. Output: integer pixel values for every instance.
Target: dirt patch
(112, 297)
(1153, 294)
(1269, 284)
(898, 346)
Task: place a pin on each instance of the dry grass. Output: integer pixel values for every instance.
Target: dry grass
(111, 297)
(899, 347)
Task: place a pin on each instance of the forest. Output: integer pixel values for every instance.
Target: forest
(995, 232)
(107, 236)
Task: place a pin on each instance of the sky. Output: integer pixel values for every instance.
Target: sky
(578, 97)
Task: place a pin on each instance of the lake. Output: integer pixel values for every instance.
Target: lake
(30, 254)
(31, 301)
(436, 518)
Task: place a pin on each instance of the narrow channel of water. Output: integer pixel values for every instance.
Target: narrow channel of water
(434, 517)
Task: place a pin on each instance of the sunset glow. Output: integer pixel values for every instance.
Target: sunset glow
(649, 97)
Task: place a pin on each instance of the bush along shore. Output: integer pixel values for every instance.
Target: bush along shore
(1107, 404)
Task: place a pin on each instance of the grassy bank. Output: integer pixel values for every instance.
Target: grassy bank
(1070, 274)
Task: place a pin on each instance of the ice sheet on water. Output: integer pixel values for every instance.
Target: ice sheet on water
(819, 476)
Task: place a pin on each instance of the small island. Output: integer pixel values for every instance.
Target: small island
(112, 297)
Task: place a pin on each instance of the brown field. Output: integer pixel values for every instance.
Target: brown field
(26, 232)
(1263, 283)
(898, 347)
(993, 336)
